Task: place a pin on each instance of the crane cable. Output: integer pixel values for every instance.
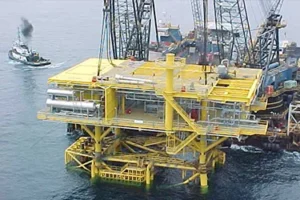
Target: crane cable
(104, 38)
(104, 21)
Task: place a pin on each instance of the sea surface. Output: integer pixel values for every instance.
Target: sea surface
(32, 152)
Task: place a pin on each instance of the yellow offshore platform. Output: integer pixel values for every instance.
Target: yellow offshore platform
(139, 116)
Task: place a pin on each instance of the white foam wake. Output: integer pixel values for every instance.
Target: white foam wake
(248, 148)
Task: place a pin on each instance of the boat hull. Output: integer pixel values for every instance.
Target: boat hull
(35, 64)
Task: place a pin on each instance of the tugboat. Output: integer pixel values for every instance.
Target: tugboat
(21, 53)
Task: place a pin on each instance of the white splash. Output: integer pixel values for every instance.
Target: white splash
(248, 148)
(292, 155)
(51, 66)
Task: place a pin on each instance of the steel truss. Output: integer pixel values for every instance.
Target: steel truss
(231, 16)
(130, 25)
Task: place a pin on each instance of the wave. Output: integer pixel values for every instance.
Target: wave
(51, 66)
(28, 67)
(248, 148)
(291, 155)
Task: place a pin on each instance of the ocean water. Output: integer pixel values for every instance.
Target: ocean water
(32, 151)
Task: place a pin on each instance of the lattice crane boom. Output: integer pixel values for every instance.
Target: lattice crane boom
(126, 29)
(197, 17)
(130, 26)
(266, 45)
(231, 17)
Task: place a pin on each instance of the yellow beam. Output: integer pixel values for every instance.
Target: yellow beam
(123, 106)
(202, 162)
(143, 147)
(128, 147)
(84, 127)
(239, 88)
(105, 133)
(226, 98)
(214, 144)
(227, 131)
(203, 111)
(110, 103)
(111, 149)
(183, 143)
(78, 162)
(189, 95)
(170, 100)
(151, 143)
(157, 161)
(253, 89)
(79, 154)
(169, 89)
(193, 145)
(97, 139)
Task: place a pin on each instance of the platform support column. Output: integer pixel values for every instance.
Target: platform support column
(97, 149)
(203, 110)
(214, 154)
(169, 89)
(110, 103)
(118, 135)
(123, 104)
(245, 109)
(202, 162)
(149, 174)
(152, 175)
(93, 174)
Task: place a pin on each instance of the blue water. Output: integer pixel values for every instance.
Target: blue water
(32, 151)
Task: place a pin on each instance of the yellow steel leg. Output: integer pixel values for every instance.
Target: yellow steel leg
(169, 89)
(93, 169)
(214, 155)
(97, 148)
(202, 161)
(148, 175)
(213, 162)
(152, 175)
(110, 103)
(203, 110)
(123, 104)
(118, 135)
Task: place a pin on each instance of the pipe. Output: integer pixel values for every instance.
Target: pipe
(90, 106)
(117, 76)
(60, 92)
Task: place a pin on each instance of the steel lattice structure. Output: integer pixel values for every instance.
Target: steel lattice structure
(266, 46)
(231, 16)
(130, 26)
(197, 16)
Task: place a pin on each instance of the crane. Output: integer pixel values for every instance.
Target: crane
(126, 29)
(231, 17)
(266, 46)
(197, 17)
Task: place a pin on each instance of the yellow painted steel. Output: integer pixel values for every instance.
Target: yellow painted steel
(110, 103)
(169, 89)
(202, 162)
(203, 110)
(110, 153)
(123, 104)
